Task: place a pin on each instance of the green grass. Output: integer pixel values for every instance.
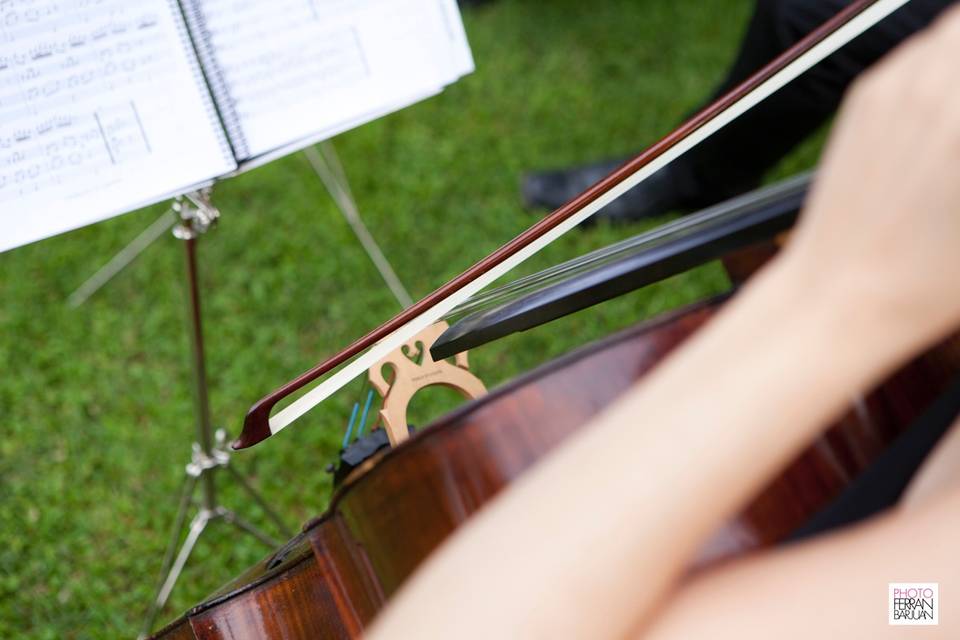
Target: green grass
(96, 404)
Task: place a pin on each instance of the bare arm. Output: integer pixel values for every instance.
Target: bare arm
(588, 542)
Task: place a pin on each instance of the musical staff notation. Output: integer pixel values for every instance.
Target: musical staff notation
(318, 64)
(92, 93)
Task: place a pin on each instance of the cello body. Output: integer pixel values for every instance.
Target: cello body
(394, 510)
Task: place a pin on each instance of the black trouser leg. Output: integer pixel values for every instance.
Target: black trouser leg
(735, 159)
(883, 483)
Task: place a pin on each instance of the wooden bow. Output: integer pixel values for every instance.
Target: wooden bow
(853, 20)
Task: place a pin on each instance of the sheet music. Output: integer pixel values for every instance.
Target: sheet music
(460, 57)
(102, 110)
(296, 70)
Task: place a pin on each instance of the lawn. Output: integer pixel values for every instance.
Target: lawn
(96, 400)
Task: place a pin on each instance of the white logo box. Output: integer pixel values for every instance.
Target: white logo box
(913, 603)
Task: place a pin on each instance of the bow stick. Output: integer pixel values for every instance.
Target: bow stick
(853, 20)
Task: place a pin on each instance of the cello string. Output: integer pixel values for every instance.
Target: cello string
(515, 253)
(728, 210)
(366, 409)
(353, 418)
(353, 414)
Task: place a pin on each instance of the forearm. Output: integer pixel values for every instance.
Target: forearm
(587, 541)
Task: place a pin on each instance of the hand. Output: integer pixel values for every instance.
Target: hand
(881, 232)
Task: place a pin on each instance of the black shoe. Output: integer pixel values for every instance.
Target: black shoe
(663, 192)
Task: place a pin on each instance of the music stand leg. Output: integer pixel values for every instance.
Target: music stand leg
(122, 259)
(253, 493)
(197, 525)
(189, 484)
(326, 164)
(231, 518)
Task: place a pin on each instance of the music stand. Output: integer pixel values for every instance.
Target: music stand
(192, 216)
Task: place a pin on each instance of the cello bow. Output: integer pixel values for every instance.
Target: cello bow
(850, 22)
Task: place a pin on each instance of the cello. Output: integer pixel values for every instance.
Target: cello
(394, 509)
(465, 482)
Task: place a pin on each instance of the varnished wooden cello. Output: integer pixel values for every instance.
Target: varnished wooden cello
(332, 579)
(378, 567)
